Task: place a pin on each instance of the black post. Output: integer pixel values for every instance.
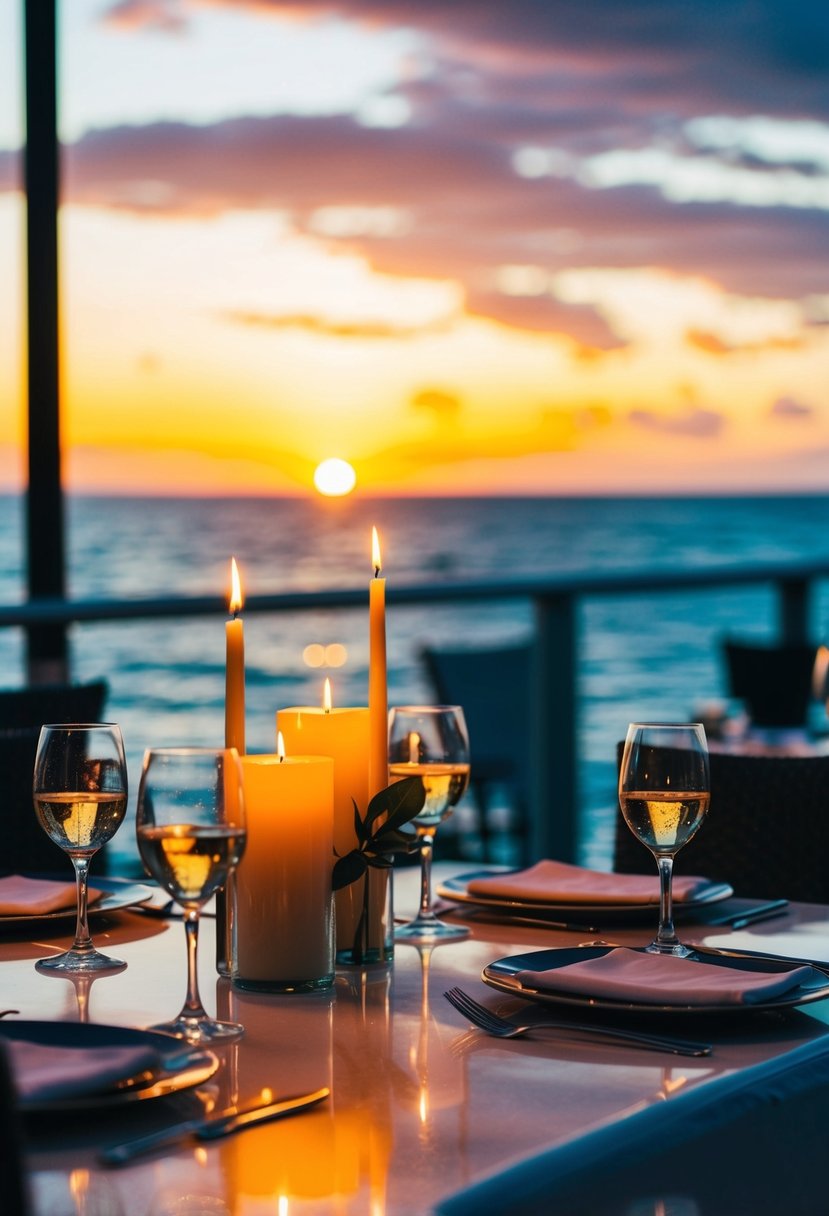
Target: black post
(554, 727)
(794, 610)
(47, 651)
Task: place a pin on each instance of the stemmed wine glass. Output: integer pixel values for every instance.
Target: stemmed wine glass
(80, 797)
(664, 791)
(430, 742)
(190, 824)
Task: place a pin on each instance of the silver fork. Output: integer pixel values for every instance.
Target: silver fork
(502, 1028)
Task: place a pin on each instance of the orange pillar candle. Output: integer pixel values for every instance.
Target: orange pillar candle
(284, 916)
(235, 667)
(378, 711)
(341, 734)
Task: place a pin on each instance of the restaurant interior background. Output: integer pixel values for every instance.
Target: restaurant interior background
(550, 278)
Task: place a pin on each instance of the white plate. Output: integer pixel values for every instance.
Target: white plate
(117, 893)
(187, 1068)
(501, 975)
(457, 889)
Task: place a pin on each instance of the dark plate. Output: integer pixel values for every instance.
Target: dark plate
(501, 975)
(182, 1067)
(456, 889)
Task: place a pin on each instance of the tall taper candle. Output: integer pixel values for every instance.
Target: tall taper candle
(234, 737)
(235, 667)
(378, 711)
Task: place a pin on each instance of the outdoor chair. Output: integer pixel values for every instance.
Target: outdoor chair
(492, 686)
(15, 1188)
(26, 847)
(774, 682)
(766, 832)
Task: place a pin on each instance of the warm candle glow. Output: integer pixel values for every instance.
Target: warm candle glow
(235, 666)
(236, 600)
(414, 747)
(326, 695)
(280, 746)
(378, 770)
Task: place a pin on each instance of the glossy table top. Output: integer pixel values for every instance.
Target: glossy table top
(420, 1105)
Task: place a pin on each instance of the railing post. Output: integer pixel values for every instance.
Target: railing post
(47, 650)
(554, 806)
(794, 594)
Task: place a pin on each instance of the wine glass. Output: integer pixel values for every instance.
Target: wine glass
(80, 797)
(430, 742)
(664, 791)
(190, 824)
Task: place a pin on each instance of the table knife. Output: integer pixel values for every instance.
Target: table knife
(210, 1128)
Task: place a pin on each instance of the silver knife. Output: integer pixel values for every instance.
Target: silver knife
(210, 1128)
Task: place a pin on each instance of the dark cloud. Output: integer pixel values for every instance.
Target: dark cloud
(167, 16)
(445, 407)
(749, 56)
(339, 329)
(713, 344)
(789, 407)
(696, 423)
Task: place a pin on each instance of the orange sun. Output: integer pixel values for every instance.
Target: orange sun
(334, 477)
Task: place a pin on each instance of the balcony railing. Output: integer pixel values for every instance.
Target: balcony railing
(554, 697)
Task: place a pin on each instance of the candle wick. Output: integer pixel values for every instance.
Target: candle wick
(377, 571)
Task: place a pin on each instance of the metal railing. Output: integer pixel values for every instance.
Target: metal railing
(554, 697)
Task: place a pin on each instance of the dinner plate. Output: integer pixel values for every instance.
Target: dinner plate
(457, 889)
(182, 1066)
(501, 975)
(117, 893)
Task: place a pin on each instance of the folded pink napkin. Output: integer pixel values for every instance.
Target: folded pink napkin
(661, 979)
(556, 882)
(21, 896)
(43, 1072)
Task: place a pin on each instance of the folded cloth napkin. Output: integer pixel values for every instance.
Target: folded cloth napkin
(43, 1072)
(662, 979)
(556, 882)
(21, 896)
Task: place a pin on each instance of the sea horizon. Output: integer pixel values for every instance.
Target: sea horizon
(639, 656)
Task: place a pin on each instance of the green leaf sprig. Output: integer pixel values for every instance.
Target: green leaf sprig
(383, 832)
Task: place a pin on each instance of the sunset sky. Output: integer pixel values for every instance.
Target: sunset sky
(543, 246)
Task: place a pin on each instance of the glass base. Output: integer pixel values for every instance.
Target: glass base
(677, 950)
(201, 1030)
(429, 929)
(80, 962)
(322, 984)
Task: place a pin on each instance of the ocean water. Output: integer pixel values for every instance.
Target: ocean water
(639, 656)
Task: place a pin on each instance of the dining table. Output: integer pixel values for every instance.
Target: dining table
(423, 1109)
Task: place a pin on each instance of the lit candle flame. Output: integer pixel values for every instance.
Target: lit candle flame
(375, 552)
(326, 695)
(280, 746)
(235, 589)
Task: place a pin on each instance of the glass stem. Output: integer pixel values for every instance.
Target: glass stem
(82, 942)
(666, 935)
(193, 1007)
(427, 844)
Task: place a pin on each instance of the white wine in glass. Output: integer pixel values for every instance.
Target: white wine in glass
(79, 790)
(664, 792)
(430, 742)
(190, 824)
